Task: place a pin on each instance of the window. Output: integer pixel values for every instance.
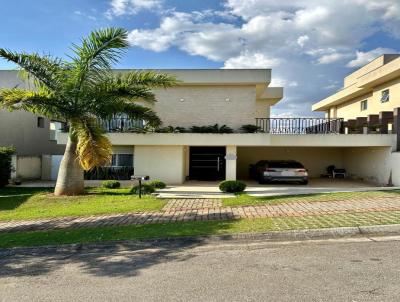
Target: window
(40, 122)
(122, 160)
(385, 96)
(364, 105)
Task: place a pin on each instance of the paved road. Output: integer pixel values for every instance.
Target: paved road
(339, 270)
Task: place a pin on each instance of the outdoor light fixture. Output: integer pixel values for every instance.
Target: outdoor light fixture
(182, 100)
(227, 100)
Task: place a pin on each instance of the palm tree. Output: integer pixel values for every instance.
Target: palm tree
(81, 91)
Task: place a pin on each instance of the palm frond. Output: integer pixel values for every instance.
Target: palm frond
(93, 148)
(127, 87)
(97, 53)
(146, 78)
(106, 91)
(45, 69)
(38, 102)
(139, 112)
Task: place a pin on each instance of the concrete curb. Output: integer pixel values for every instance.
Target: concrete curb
(175, 242)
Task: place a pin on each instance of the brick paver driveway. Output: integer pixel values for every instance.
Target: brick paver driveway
(209, 209)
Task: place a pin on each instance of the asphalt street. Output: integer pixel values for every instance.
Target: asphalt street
(361, 269)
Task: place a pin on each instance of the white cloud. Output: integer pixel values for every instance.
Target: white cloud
(332, 58)
(83, 14)
(251, 60)
(131, 7)
(302, 40)
(363, 58)
(299, 39)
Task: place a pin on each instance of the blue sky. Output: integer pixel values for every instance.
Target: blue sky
(309, 44)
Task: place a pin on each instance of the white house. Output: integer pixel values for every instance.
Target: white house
(235, 98)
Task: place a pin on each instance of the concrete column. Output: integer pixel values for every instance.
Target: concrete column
(396, 126)
(231, 162)
(385, 117)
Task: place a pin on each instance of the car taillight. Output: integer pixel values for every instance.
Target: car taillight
(301, 170)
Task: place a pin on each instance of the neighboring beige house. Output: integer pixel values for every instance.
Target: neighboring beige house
(369, 90)
(234, 98)
(30, 134)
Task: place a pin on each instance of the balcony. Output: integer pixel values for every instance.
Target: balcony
(300, 125)
(265, 125)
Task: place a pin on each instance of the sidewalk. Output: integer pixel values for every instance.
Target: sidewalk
(208, 209)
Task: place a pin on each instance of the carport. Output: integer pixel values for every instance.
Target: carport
(368, 164)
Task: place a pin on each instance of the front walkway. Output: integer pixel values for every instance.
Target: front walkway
(209, 209)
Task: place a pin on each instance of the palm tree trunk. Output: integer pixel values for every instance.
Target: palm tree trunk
(70, 174)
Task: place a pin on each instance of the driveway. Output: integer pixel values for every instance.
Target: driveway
(317, 185)
(358, 269)
(207, 189)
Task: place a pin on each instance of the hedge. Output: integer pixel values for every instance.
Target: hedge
(5, 165)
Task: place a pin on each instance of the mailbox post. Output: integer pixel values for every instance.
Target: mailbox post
(140, 179)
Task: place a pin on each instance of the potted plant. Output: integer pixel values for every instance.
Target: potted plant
(375, 128)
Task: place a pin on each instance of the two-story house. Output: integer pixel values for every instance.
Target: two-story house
(235, 98)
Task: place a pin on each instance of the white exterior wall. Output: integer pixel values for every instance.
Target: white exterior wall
(314, 159)
(373, 164)
(166, 163)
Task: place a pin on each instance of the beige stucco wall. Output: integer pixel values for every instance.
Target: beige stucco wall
(314, 159)
(230, 105)
(373, 164)
(166, 163)
(352, 109)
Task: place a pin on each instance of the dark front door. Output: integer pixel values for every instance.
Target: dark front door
(207, 163)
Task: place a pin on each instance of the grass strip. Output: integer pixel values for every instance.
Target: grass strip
(194, 228)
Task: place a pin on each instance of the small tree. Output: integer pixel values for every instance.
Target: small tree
(79, 92)
(5, 165)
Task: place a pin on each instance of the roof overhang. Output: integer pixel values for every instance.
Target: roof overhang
(272, 94)
(218, 76)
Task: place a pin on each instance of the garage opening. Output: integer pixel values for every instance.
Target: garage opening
(207, 163)
(314, 159)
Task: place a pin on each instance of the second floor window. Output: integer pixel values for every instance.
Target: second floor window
(385, 96)
(40, 122)
(364, 105)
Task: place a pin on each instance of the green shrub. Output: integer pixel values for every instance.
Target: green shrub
(146, 189)
(232, 186)
(5, 164)
(157, 184)
(109, 173)
(170, 129)
(249, 128)
(211, 129)
(111, 184)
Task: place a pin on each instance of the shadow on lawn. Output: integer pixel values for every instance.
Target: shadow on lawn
(12, 197)
(125, 259)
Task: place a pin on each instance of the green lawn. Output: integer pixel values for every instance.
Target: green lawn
(246, 200)
(32, 203)
(194, 228)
